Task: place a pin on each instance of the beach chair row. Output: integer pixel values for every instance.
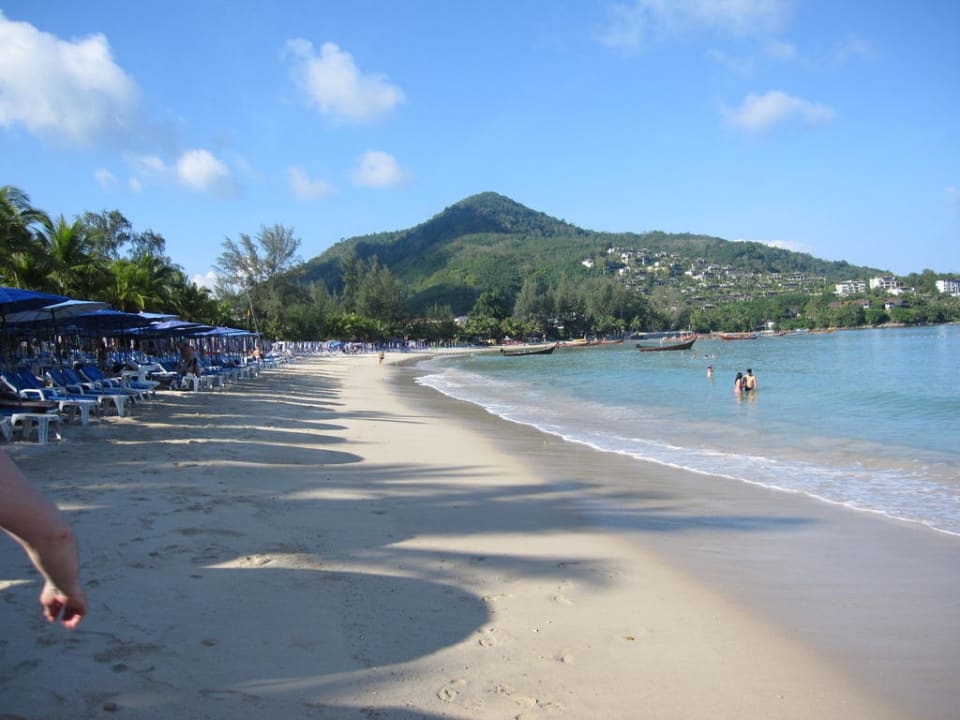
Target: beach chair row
(34, 408)
(38, 407)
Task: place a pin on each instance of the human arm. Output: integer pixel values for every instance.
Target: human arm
(43, 532)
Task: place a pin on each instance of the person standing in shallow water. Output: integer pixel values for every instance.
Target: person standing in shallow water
(738, 384)
(750, 381)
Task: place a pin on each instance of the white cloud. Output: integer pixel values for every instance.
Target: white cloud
(69, 90)
(337, 87)
(781, 50)
(147, 164)
(782, 244)
(200, 170)
(739, 65)
(760, 112)
(105, 178)
(209, 280)
(852, 46)
(632, 24)
(741, 17)
(306, 189)
(144, 169)
(378, 169)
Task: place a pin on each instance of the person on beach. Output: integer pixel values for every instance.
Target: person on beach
(380, 358)
(738, 384)
(190, 363)
(103, 357)
(749, 381)
(40, 528)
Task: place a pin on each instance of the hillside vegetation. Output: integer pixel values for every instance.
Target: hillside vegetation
(488, 242)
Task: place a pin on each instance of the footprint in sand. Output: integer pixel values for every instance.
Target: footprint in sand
(452, 691)
(252, 561)
(487, 638)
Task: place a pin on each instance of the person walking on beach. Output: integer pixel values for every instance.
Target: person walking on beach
(40, 528)
(750, 381)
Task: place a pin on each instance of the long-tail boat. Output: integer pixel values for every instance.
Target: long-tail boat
(534, 350)
(685, 345)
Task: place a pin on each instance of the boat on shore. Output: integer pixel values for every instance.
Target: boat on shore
(685, 345)
(583, 342)
(738, 336)
(579, 343)
(529, 350)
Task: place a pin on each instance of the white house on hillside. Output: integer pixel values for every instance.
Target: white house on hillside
(884, 283)
(851, 287)
(949, 286)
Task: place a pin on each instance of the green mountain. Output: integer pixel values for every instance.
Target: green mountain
(489, 241)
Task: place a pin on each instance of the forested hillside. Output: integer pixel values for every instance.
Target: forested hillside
(488, 242)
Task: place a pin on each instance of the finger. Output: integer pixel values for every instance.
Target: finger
(52, 610)
(72, 617)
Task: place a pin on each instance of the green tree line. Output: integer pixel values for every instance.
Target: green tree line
(263, 285)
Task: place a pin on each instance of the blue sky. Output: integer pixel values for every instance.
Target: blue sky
(826, 127)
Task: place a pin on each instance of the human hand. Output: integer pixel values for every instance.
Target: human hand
(69, 609)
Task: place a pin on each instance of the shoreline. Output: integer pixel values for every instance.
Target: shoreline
(333, 541)
(872, 592)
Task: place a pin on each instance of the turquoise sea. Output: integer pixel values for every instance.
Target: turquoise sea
(867, 419)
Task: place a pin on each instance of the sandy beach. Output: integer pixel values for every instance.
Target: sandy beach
(331, 541)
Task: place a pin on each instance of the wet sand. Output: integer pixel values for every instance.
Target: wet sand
(331, 541)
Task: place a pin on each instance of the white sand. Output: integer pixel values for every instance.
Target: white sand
(316, 544)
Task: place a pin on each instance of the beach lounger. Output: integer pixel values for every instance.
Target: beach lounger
(106, 398)
(27, 422)
(145, 388)
(102, 386)
(150, 372)
(29, 386)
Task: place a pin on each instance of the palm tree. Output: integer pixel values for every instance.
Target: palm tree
(74, 269)
(18, 244)
(145, 282)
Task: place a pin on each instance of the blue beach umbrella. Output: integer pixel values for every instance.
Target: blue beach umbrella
(170, 328)
(15, 300)
(105, 320)
(50, 313)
